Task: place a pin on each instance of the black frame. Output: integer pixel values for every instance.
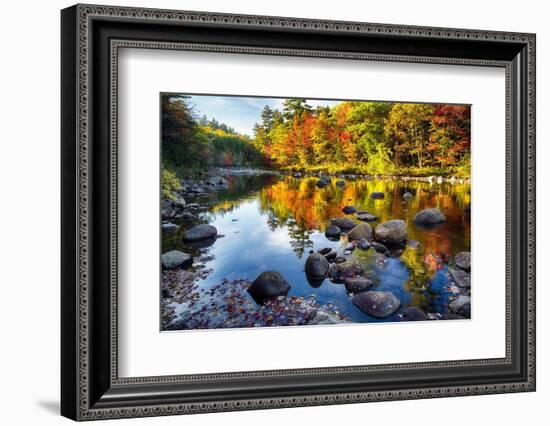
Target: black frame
(91, 37)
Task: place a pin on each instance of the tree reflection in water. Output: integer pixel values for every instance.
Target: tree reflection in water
(272, 222)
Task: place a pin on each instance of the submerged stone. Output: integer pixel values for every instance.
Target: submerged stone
(413, 313)
(349, 209)
(361, 231)
(357, 284)
(344, 223)
(175, 259)
(379, 304)
(462, 260)
(317, 266)
(333, 232)
(269, 284)
(200, 232)
(461, 306)
(429, 216)
(391, 232)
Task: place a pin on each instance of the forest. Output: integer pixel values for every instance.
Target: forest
(369, 138)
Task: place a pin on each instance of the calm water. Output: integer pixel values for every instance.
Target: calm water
(272, 223)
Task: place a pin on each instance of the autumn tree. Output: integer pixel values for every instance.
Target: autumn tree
(408, 131)
(449, 140)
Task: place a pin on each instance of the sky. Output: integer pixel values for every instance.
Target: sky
(239, 112)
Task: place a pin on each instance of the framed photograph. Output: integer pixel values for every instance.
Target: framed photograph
(263, 212)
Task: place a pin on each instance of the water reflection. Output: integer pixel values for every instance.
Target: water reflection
(272, 223)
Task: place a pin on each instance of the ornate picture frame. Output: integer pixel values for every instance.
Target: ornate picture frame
(91, 38)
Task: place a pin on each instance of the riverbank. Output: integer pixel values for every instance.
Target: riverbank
(206, 179)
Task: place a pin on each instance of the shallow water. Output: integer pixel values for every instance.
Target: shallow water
(272, 223)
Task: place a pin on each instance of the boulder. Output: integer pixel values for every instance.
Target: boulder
(380, 248)
(462, 260)
(377, 195)
(344, 223)
(357, 284)
(366, 217)
(168, 213)
(461, 306)
(217, 181)
(429, 216)
(363, 244)
(413, 313)
(269, 284)
(407, 196)
(187, 216)
(379, 304)
(361, 231)
(333, 232)
(349, 209)
(178, 202)
(349, 247)
(175, 259)
(391, 232)
(317, 266)
(322, 317)
(347, 269)
(200, 232)
(169, 227)
(340, 183)
(329, 253)
(460, 277)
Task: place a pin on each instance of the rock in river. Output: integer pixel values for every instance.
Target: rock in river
(344, 223)
(361, 231)
(460, 277)
(321, 183)
(333, 232)
(169, 227)
(217, 181)
(347, 269)
(357, 284)
(329, 253)
(380, 248)
(429, 217)
(200, 232)
(267, 285)
(349, 209)
(462, 260)
(317, 266)
(391, 232)
(407, 195)
(324, 317)
(340, 183)
(175, 259)
(461, 306)
(379, 304)
(366, 217)
(363, 244)
(377, 195)
(413, 313)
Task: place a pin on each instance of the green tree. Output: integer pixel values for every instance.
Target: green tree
(183, 146)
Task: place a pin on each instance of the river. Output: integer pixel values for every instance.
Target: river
(273, 222)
